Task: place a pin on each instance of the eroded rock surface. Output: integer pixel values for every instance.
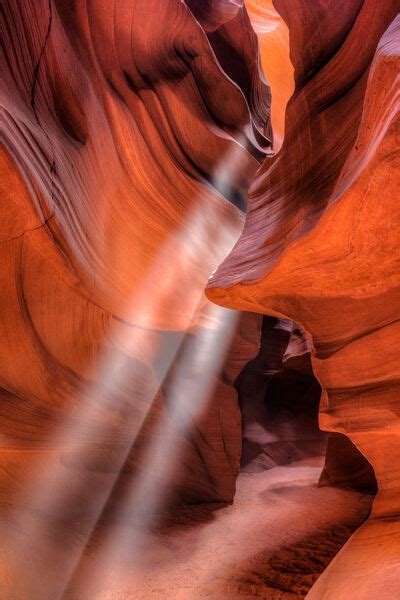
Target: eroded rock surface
(321, 246)
(113, 216)
(128, 151)
(129, 147)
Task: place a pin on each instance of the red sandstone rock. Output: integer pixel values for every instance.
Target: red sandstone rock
(320, 246)
(346, 467)
(273, 37)
(126, 148)
(236, 47)
(125, 141)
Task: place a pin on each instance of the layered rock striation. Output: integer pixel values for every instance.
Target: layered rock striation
(321, 246)
(127, 154)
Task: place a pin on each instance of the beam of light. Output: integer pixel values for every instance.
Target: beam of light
(55, 492)
(189, 391)
(92, 428)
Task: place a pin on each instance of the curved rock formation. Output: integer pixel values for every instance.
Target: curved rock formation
(320, 246)
(72, 107)
(106, 189)
(273, 36)
(80, 97)
(235, 44)
(128, 151)
(346, 467)
(289, 195)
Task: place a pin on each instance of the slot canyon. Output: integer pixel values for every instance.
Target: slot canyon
(200, 300)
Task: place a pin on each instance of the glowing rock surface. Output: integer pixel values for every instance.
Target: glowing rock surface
(320, 246)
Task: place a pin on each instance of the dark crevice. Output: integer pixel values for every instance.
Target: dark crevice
(37, 67)
(16, 237)
(33, 101)
(279, 399)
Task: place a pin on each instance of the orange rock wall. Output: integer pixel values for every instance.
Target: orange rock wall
(321, 246)
(127, 152)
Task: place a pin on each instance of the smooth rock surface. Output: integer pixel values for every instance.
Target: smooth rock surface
(321, 246)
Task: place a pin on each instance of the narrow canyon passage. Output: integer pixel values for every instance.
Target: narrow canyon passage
(284, 526)
(273, 542)
(200, 299)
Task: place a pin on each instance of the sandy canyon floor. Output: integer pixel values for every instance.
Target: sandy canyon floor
(272, 543)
